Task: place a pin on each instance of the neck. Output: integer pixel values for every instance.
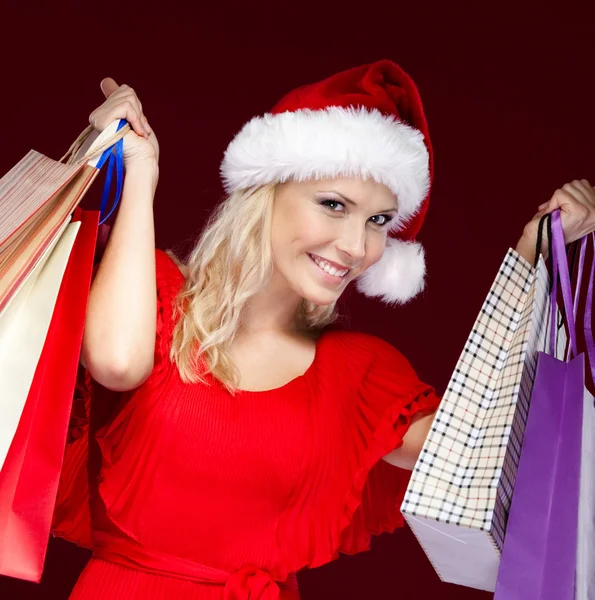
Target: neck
(273, 310)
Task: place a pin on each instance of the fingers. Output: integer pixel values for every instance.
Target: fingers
(108, 86)
(577, 191)
(127, 97)
(554, 203)
(121, 103)
(586, 189)
(576, 201)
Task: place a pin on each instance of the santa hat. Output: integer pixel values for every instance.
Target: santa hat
(367, 122)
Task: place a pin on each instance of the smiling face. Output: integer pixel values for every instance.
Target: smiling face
(326, 232)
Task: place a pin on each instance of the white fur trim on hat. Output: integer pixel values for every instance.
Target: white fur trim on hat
(317, 144)
(398, 276)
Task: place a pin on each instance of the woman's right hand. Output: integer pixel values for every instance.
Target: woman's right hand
(140, 144)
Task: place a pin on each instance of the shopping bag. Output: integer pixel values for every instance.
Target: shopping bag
(38, 195)
(585, 559)
(459, 494)
(24, 320)
(30, 474)
(585, 562)
(539, 558)
(21, 338)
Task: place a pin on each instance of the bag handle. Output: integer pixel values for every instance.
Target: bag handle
(70, 157)
(589, 342)
(115, 155)
(540, 239)
(588, 314)
(109, 146)
(558, 250)
(579, 277)
(561, 273)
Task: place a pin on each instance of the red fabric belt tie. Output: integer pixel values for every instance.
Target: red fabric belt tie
(247, 583)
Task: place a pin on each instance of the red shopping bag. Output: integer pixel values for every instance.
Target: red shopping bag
(30, 475)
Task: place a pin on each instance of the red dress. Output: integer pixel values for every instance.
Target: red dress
(184, 491)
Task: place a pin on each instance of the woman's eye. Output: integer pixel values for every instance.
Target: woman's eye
(381, 219)
(334, 205)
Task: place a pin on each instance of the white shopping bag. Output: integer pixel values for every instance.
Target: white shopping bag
(24, 326)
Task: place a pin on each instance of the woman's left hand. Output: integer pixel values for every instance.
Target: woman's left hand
(576, 201)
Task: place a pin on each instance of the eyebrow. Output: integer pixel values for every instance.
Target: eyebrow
(353, 203)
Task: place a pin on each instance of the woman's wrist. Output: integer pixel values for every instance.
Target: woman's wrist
(527, 246)
(145, 170)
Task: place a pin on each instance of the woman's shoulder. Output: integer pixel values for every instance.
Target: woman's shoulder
(168, 265)
(362, 348)
(372, 366)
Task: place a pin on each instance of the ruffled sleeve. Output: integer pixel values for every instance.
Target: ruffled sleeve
(95, 407)
(370, 395)
(388, 399)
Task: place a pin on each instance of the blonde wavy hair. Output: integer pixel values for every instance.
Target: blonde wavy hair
(231, 262)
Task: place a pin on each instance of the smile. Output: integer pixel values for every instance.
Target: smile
(328, 267)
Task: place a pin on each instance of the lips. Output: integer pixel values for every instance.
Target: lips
(330, 262)
(333, 277)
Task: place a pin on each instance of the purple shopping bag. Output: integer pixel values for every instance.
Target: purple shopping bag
(539, 554)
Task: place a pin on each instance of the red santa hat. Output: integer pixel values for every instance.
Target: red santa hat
(366, 122)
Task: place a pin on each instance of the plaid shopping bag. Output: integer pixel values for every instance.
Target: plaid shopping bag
(460, 491)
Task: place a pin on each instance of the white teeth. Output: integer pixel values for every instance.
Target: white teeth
(325, 266)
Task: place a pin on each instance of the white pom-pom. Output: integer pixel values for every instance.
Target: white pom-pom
(398, 276)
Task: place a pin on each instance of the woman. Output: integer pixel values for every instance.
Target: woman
(240, 436)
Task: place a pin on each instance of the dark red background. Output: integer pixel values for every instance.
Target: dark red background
(509, 94)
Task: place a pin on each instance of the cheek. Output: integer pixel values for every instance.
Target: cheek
(297, 232)
(314, 233)
(290, 233)
(375, 249)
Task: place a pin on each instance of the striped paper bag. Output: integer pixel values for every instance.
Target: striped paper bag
(38, 196)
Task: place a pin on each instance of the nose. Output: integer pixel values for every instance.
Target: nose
(352, 241)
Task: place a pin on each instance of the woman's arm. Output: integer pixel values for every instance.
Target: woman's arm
(119, 336)
(406, 456)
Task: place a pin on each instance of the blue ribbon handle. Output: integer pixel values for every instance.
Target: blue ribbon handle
(115, 155)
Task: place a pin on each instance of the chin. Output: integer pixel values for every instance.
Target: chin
(320, 297)
(321, 301)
